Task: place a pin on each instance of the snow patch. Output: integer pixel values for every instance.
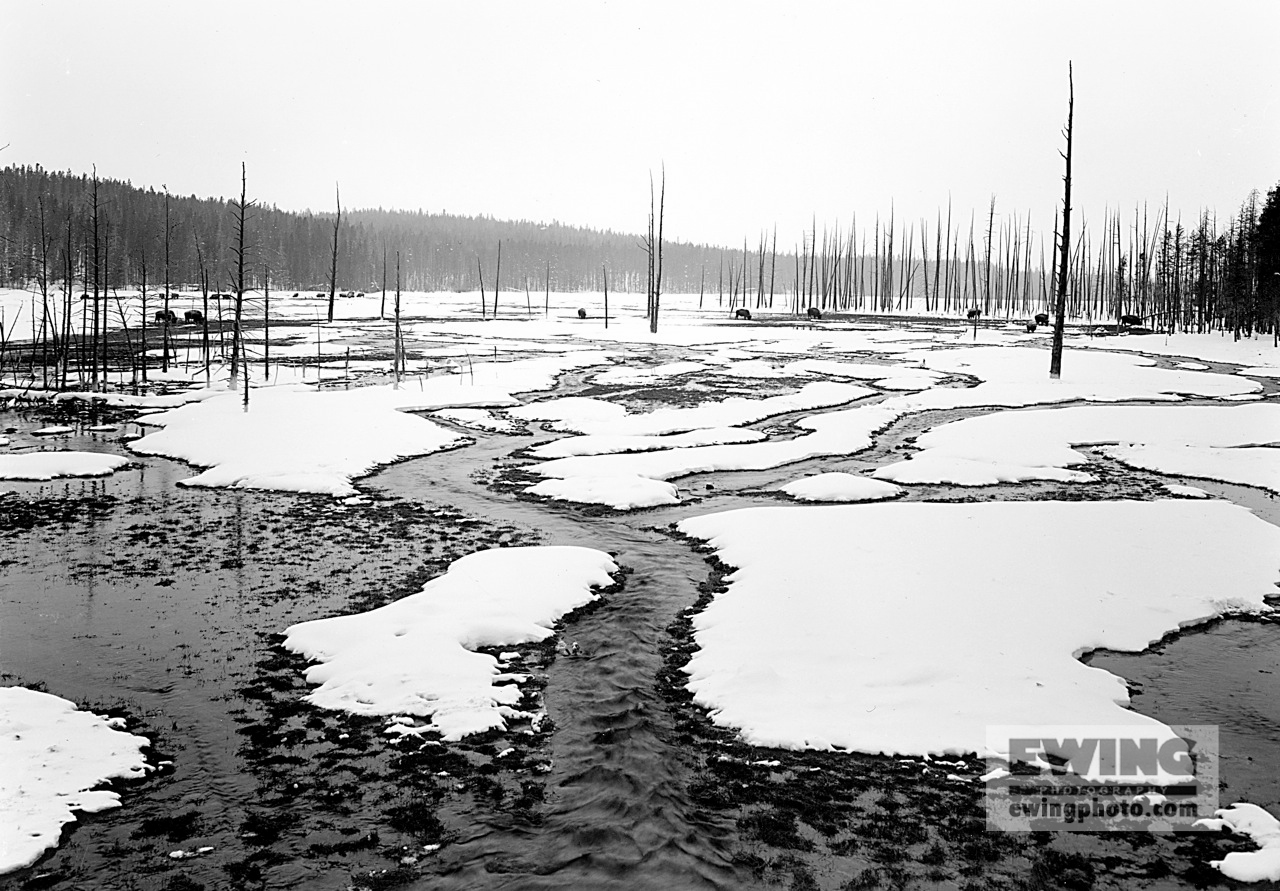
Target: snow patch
(618, 492)
(1262, 865)
(840, 487)
(416, 656)
(54, 756)
(864, 645)
(51, 465)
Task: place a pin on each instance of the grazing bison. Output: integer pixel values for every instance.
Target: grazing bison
(815, 313)
(319, 296)
(194, 316)
(1031, 327)
(1042, 318)
(1131, 321)
(743, 314)
(582, 313)
(166, 317)
(973, 314)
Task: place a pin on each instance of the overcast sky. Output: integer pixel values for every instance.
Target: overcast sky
(763, 113)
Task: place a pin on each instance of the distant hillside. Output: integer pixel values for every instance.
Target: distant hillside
(437, 251)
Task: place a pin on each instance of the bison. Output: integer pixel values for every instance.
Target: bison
(743, 314)
(1042, 318)
(1031, 327)
(973, 314)
(582, 313)
(1131, 321)
(194, 316)
(815, 313)
(166, 317)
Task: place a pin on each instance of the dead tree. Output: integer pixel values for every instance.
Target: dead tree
(397, 361)
(266, 323)
(204, 289)
(143, 320)
(1060, 301)
(168, 232)
(653, 250)
(46, 241)
(94, 209)
(333, 266)
(497, 277)
(240, 210)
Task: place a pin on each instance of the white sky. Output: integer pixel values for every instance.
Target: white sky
(764, 113)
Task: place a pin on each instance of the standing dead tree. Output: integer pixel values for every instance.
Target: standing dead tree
(168, 234)
(397, 361)
(653, 250)
(1060, 301)
(333, 266)
(240, 210)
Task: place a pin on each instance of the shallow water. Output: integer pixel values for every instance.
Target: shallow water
(159, 601)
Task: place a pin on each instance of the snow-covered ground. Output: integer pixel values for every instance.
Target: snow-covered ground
(55, 757)
(911, 627)
(1262, 865)
(51, 465)
(1233, 444)
(416, 656)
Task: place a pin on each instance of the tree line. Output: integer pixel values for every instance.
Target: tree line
(1207, 273)
(438, 251)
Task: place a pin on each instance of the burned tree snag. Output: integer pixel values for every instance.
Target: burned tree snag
(1060, 301)
(333, 266)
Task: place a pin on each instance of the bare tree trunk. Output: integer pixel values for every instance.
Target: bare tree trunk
(497, 277)
(168, 231)
(66, 311)
(657, 280)
(605, 273)
(144, 316)
(397, 363)
(204, 288)
(333, 266)
(44, 298)
(106, 267)
(266, 323)
(240, 210)
(97, 274)
(1060, 303)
